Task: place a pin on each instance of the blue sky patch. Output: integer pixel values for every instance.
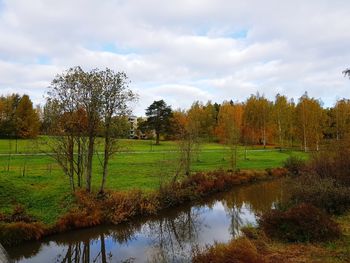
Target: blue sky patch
(113, 48)
(239, 34)
(43, 60)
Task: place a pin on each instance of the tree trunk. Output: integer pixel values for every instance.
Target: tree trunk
(105, 162)
(89, 162)
(304, 138)
(157, 137)
(235, 158)
(79, 161)
(280, 134)
(71, 161)
(264, 137)
(188, 158)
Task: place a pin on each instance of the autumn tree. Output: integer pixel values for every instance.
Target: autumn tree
(257, 118)
(190, 128)
(18, 118)
(100, 97)
(26, 118)
(115, 97)
(50, 115)
(62, 115)
(158, 116)
(283, 119)
(342, 118)
(209, 121)
(229, 128)
(309, 121)
(186, 133)
(180, 128)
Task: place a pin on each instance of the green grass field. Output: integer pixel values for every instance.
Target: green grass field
(37, 182)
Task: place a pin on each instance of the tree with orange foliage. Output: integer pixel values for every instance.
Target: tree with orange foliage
(18, 118)
(283, 111)
(186, 133)
(257, 118)
(84, 105)
(27, 118)
(342, 118)
(190, 128)
(310, 118)
(229, 127)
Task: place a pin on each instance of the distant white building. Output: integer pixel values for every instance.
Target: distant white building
(133, 126)
(134, 133)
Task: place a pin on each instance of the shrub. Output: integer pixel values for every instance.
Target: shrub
(294, 165)
(239, 250)
(17, 232)
(333, 162)
(119, 207)
(87, 213)
(301, 223)
(173, 194)
(149, 205)
(324, 193)
(77, 218)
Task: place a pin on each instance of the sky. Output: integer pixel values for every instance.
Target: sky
(180, 51)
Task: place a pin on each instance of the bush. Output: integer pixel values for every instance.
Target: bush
(324, 193)
(15, 233)
(77, 218)
(239, 250)
(87, 213)
(333, 162)
(119, 207)
(294, 164)
(170, 195)
(301, 223)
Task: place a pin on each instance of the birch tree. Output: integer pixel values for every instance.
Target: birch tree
(229, 128)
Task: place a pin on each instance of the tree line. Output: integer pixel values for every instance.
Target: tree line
(257, 120)
(84, 105)
(18, 117)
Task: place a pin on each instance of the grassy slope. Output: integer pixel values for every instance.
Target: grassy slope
(44, 190)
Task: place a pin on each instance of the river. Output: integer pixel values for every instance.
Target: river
(169, 237)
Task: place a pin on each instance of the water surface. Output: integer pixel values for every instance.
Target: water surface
(169, 237)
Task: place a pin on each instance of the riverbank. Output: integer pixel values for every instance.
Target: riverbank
(117, 207)
(254, 246)
(39, 184)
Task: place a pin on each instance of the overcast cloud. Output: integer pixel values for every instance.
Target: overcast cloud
(180, 51)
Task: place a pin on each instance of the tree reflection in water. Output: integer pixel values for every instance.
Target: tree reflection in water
(80, 252)
(170, 237)
(173, 238)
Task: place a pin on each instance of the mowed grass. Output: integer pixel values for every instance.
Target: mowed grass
(38, 183)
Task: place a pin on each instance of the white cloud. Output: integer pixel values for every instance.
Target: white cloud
(180, 51)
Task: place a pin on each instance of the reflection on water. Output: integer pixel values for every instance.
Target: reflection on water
(169, 237)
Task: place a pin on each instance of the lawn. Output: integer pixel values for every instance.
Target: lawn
(37, 182)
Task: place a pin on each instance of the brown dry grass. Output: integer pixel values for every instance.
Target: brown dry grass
(115, 207)
(271, 251)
